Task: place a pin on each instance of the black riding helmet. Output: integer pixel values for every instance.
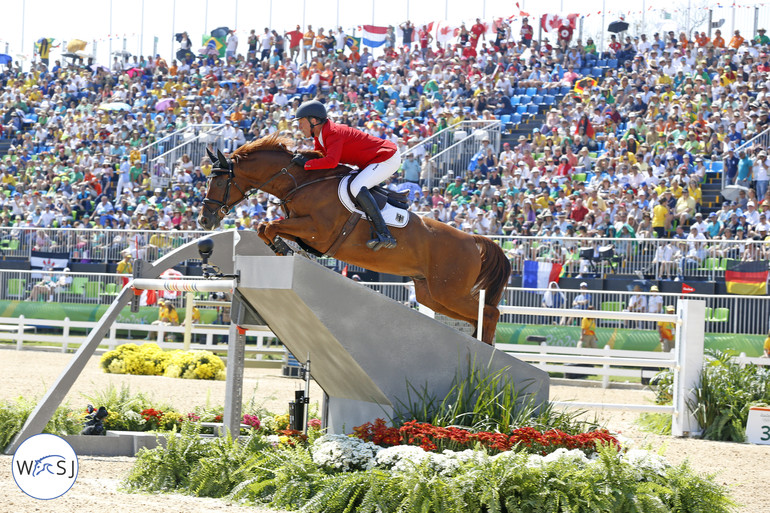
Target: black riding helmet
(311, 109)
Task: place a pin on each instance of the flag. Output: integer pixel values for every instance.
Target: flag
(584, 84)
(148, 298)
(374, 36)
(443, 31)
(746, 278)
(345, 271)
(537, 275)
(687, 289)
(354, 43)
(551, 22)
(47, 260)
(214, 45)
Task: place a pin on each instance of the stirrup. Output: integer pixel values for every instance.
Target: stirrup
(382, 241)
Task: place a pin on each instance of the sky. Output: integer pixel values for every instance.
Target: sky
(107, 23)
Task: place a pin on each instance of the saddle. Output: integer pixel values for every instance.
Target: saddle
(383, 196)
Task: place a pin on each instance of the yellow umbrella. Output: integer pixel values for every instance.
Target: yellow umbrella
(76, 45)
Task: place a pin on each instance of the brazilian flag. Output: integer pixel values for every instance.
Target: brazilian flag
(213, 44)
(354, 43)
(43, 46)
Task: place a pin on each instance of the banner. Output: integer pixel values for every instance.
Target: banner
(746, 278)
(374, 36)
(354, 43)
(538, 275)
(551, 22)
(49, 261)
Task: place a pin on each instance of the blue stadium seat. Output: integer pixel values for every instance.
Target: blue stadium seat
(537, 99)
(602, 63)
(564, 89)
(717, 166)
(519, 91)
(515, 99)
(531, 91)
(525, 99)
(505, 119)
(532, 109)
(585, 71)
(521, 109)
(549, 100)
(612, 63)
(596, 72)
(516, 118)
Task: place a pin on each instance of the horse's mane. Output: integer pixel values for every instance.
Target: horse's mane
(272, 142)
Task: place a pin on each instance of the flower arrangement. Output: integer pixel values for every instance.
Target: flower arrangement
(431, 438)
(150, 360)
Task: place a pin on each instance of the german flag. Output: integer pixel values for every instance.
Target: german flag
(746, 278)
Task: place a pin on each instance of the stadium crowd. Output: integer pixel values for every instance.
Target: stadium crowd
(621, 155)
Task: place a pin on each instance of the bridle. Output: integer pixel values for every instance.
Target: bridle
(224, 206)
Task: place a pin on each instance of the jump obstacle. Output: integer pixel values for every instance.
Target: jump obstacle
(368, 351)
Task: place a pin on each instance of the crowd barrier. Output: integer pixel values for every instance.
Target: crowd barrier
(707, 259)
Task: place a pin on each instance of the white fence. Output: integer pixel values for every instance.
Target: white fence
(26, 334)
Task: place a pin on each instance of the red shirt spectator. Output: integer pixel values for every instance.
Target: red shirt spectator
(579, 211)
(477, 31)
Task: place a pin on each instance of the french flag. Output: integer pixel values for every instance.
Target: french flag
(374, 36)
(537, 275)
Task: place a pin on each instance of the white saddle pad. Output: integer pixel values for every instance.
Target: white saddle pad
(394, 216)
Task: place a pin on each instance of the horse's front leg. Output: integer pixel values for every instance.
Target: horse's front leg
(292, 228)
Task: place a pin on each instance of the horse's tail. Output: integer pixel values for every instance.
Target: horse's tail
(495, 271)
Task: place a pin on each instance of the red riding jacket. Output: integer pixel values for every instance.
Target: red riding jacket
(346, 145)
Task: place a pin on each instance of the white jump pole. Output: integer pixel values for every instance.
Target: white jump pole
(188, 312)
(482, 298)
(184, 285)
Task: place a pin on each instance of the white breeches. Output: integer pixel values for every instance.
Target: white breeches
(373, 174)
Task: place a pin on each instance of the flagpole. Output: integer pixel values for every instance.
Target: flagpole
(235, 27)
(304, 27)
(407, 9)
(109, 57)
(173, 29)
(338, 14)
(23, 13)
(141, 32)
(372, 12)
(446, 10)
(602, 32)
(206, 18)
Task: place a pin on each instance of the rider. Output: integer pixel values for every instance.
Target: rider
(376, 158)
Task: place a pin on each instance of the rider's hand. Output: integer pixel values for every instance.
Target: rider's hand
(299, 159)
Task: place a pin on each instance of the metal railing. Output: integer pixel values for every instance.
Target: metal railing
(155, 148)
(86, 245)
(597, 257)
(761, 140)
(465, 149)
(734, 314)
(465, 135)
(580, 256)
(192, 142)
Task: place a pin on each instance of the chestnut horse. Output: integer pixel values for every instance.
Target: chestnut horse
(449, 267)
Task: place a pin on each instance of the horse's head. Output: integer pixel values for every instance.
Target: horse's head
(224, 191)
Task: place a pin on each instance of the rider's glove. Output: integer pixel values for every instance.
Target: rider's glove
(299, 159)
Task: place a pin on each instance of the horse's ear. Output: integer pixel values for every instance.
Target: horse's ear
(212, 158)
(223, 162)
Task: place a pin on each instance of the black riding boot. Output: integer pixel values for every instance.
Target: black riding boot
(384, 239)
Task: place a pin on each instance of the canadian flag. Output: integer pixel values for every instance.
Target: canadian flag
(443, 31)
(551, 22)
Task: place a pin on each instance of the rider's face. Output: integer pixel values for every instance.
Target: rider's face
(304, 126)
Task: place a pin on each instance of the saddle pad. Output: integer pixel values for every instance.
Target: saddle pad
(394, 217)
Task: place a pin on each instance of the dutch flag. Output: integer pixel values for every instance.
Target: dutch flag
(374, 36)
(537, 275)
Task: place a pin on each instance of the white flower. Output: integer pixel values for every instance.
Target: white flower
(641, 460)
(401, 457)
(560, 454)
(340, 452)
